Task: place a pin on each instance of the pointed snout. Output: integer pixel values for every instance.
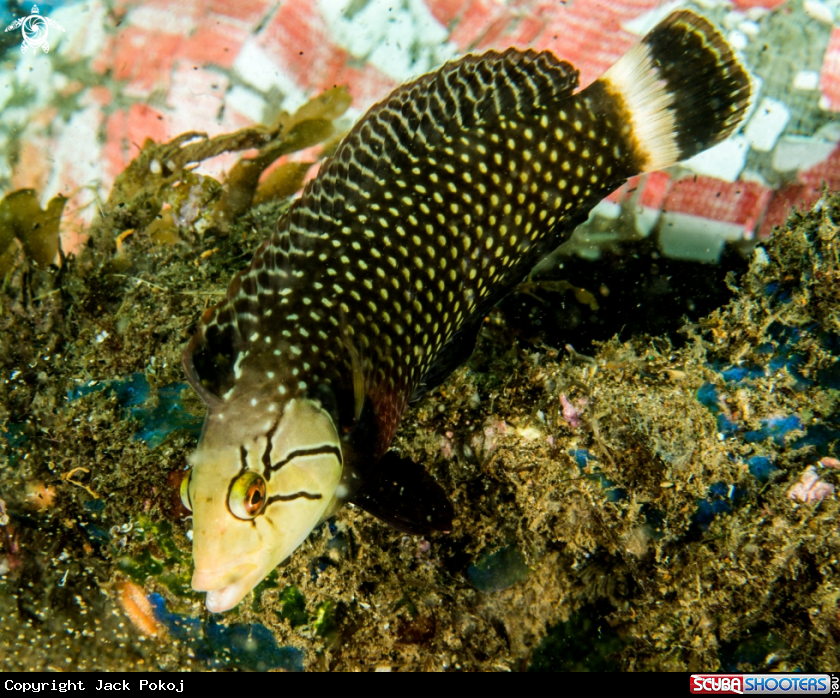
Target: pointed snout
(226, 586)
(210, 580)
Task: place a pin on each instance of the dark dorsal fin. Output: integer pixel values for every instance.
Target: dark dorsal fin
(401, 493)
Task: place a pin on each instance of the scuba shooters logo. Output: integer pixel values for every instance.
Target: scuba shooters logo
(717, 683)
(762, 684)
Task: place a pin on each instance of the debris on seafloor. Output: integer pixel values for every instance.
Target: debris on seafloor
(137, 608)
(810, 487)
(623, 506)
(572, 413)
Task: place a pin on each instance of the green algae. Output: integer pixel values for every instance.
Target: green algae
(141, 566)
(292, 607)
(158, 557)
(325, 622)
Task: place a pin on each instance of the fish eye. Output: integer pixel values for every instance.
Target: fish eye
(247, 495)
(185, 491)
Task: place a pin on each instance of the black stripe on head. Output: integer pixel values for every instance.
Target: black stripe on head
(266, 456)
(316, 451)
(243, 456)
(290, 497)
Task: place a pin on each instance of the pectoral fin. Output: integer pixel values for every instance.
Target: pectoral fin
(401, 493)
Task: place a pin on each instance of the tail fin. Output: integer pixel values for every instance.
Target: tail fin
(682, 88)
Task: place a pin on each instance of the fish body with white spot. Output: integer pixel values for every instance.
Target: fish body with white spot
(374, 287)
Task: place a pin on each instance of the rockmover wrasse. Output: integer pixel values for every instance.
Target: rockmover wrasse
(376, 282)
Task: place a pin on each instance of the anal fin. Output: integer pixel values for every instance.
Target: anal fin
(401, 493)
(455, 352)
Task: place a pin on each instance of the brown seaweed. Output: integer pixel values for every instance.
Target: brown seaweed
(37, 230)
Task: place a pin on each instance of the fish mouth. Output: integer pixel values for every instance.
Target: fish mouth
(226, 587)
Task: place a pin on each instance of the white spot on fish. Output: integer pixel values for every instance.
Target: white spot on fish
(237, 366)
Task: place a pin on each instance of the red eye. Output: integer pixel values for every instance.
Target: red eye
(255, 496)
(246, 499)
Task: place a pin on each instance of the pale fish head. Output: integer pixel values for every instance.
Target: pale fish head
(258, 486)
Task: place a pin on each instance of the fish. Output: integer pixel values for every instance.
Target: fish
(374, 285)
